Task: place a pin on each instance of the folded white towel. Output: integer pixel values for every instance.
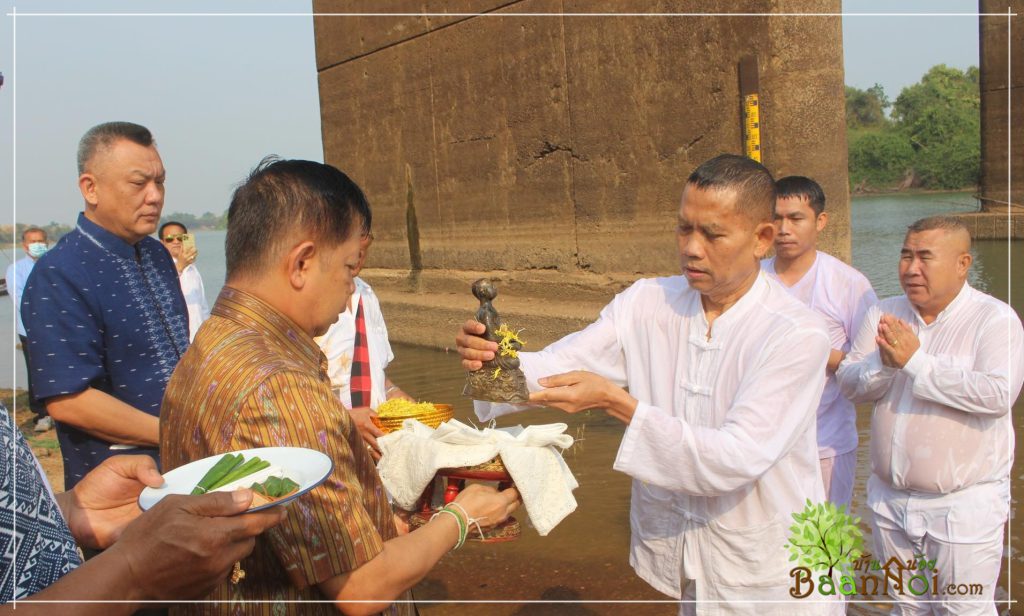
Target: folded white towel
(413, 455)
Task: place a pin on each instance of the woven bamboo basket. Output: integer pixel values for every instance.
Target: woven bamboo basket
(440, 414)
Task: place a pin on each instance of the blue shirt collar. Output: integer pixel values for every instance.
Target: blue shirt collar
(105, 239)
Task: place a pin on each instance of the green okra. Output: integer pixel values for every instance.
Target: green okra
(244, 470)
(217, 472)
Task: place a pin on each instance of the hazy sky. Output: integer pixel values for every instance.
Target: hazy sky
(219, 93)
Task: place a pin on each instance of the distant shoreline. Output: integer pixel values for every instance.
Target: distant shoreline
(889, 192)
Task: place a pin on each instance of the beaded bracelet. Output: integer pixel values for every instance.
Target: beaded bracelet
(463, 531)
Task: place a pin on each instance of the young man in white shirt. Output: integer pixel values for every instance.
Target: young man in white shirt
(838, 293)
(943, 365)
(338, 345)
(725, 370)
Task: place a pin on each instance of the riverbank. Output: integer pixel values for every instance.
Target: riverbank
(895, 191)
(44, 444)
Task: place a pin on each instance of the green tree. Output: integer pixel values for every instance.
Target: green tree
(934, 132)
(825, 536)
(941, 117)
(866, 108)
(881, 158)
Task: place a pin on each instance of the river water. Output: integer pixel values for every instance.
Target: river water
(584, 560)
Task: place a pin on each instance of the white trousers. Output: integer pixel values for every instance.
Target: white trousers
(838, 473)
(964, 574)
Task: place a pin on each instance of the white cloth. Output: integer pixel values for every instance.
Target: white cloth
(942, 423)
(841, 295)
(339, 342)
(722, 445)
(16, 276)
(195, 298)
(412, 456)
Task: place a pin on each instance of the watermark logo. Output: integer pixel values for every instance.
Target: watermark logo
(825, 537)
(826, 541)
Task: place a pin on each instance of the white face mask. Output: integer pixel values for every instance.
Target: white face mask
(37, 249)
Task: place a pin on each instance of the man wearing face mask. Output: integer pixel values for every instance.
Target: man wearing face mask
(35, 245)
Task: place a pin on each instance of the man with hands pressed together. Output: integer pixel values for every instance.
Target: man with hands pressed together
(177, 550)
(724, 371)
(943, 364)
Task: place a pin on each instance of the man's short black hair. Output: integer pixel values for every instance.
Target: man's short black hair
(949, 224)
(804, 188)
(33, 230)
(170, 223)
(281, 197)
(105, 135)
(752, 182)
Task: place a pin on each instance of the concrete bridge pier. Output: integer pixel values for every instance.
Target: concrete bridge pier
(549, 151)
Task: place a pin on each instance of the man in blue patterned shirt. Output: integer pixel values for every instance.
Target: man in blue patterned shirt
(104, 313)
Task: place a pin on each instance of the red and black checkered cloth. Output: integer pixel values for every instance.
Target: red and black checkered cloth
(359, 383)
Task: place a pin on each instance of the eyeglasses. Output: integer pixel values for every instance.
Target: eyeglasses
(173, 238)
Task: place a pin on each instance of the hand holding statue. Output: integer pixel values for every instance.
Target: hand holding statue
(494, 373)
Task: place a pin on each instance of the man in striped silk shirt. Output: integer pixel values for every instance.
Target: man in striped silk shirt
(254, 377)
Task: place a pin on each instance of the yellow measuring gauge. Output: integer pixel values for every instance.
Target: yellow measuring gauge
(752, 127)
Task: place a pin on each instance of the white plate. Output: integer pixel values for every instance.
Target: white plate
(306, 467)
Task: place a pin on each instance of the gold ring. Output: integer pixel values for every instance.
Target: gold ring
(894, 343)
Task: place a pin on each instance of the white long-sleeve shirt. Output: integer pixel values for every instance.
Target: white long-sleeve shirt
(339, 342)
(195, 298)
(841, 295)
(722, 446)
(942, 422)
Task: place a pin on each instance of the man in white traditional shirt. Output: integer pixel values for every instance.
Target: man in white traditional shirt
(838, 293)
(725, 370)
(943, 365)
(361, 326)
(172, 234)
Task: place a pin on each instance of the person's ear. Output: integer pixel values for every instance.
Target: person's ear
(764, 234)
(87, 184)
(299, 264)
(822, 221)
(963, 263)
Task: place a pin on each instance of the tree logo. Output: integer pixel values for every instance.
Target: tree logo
(825, 536)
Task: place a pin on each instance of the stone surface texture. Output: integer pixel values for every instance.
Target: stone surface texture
(1002, 104)
(549, 152)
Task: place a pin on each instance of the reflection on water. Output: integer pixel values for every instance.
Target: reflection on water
(585, 557)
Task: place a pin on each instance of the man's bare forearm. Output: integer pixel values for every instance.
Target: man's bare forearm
(105, 417)
(405, 560)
